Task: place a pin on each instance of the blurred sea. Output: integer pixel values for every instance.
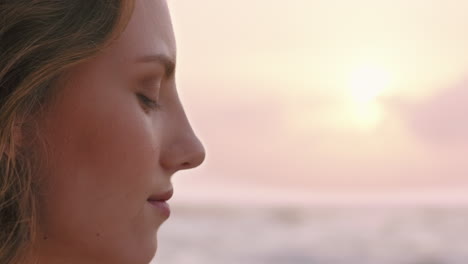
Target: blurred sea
(328, 234)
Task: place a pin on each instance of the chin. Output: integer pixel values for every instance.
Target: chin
(146, 254)
(138, 253)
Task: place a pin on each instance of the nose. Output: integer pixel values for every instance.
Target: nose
(188, 154)
(181, 148)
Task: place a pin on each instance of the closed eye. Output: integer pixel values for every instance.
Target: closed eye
(150, 103)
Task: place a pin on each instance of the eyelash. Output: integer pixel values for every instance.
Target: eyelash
(153, 105)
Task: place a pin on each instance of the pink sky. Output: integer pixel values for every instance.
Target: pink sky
(266, 85)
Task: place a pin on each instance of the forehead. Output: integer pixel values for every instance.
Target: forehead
(149, 31)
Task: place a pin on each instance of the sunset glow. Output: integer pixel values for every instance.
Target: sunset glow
(355, 95)
(366, 84)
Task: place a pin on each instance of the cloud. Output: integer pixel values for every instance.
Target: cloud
(440, 119)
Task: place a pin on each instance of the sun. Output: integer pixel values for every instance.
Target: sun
(365, 84)
(368, 82)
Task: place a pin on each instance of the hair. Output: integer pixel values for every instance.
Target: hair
(39, 41)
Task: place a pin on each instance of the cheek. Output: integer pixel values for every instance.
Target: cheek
(103, 144)
(101, 161)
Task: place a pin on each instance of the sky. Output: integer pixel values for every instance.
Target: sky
(324, 96)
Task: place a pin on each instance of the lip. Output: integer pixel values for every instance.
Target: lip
(161, 196)
(162, 207)
(159, 202)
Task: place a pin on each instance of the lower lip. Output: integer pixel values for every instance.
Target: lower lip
(162, 207)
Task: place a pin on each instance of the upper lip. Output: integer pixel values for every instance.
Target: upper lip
(162, 196)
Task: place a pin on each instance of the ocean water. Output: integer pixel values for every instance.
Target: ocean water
(314, 235)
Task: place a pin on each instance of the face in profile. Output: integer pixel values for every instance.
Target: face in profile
(110, 146)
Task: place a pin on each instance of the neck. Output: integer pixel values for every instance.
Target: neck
(49, 254)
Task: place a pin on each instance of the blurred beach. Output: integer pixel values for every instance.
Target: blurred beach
(333, 233)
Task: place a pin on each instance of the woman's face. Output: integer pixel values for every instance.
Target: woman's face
(109, 150)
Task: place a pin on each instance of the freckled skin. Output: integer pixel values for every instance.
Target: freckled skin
(107, 153)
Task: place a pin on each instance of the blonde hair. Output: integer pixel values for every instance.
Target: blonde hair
(39, 41)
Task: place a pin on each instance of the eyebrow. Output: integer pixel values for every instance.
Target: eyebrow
(168, 62)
